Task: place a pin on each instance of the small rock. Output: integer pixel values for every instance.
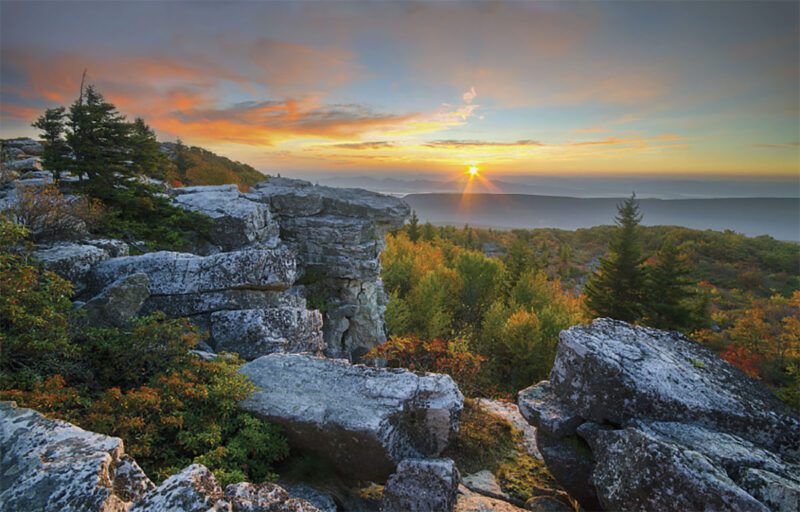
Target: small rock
(26, 164)
(484, 482)
(422, 485)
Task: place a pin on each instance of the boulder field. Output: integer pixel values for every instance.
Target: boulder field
(640, 419)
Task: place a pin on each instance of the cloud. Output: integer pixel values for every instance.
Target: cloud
(470, 95)
(455, 144)
(378, 144)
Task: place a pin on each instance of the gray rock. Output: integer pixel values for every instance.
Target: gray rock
(199, 303)
(422, 485)
(639, 472)
(19, 142)
(254, 333)
(173, 273)
(320, 499)
(613, 372)
(194, 489)
(51, 465)
(119, 302)
(237, 220)
(338, 234)
(115, 248)
(34, 149)
(245, 497)
(363, 420)
(669, 425)
(33, 163)
(71, 261)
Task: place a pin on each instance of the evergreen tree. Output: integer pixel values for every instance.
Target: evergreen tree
(667, 298)
(413, 227)
(616, 288)
(56, 152)
(428, 232)
(519, 259)
(145, 152)
(98, 137)
(182, 161)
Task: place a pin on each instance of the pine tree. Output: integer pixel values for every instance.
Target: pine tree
(413, 227)
(56, 152)
(428, 232)
(519, 259)
(182, 162)
(145, 151)
(667, 298)
(615, 290)
(98, 137)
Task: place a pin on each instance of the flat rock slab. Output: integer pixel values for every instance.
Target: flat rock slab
(364, 420)
(51, 465)
(174, 273)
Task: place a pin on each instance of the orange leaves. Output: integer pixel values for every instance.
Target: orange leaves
(437, 355)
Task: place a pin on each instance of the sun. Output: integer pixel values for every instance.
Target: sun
(473, 171)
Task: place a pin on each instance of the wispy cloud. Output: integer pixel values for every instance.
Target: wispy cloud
(450, 143)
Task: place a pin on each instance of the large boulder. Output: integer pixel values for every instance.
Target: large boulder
(363, 420)
(51, 465)
(256, 332)
(195, 489)
(640, 419)
(422, 485)
(237, 221)
(72, 261)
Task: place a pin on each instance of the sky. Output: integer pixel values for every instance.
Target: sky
(668, 89)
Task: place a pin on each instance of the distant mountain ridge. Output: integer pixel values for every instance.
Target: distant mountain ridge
(776, 217)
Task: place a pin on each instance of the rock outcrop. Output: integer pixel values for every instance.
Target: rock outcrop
(363, 420)
(640, 419)
(51, 465)
(237, 221)
(422, 485)
(338, 235)
(242, 298)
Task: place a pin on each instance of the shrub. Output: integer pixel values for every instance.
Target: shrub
(139, 383)
(50, 215)
(436, 355)
(34, 311)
